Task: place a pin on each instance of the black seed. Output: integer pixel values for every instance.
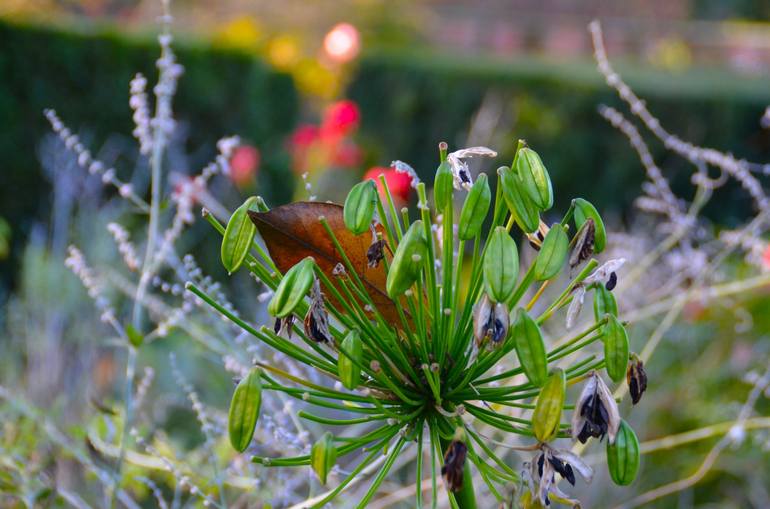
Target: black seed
(540, 462)
(277, 326)
(464, 176)
(611, 282)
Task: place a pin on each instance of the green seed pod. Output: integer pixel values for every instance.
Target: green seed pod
(547, 415)
(244, 410)
(524, 212)
(501, 265)
(604, 302)
(475, 208)
(238, 237)
(348, 371)
(292, 288)
(530, 348)
(535, 178)
(623, 456)
(443, 185)
(322, 456)
(615, 349)
(552, 253)
(583, 211)
(359, 207)
(407, 260)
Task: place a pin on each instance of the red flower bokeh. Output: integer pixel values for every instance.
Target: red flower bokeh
(340, 119)
(244, 164)
(399, 183)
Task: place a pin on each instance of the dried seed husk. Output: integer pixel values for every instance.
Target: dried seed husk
(533, 174)
(604, 302)
(323, 454)
(407, 260)
(636, 378)
(530, 348)
(583, 246)
(292, 288)
(454, 465)
(238, 236)
(351, 349)
(244, 410)
(623, 456)
(501, 265)
(359, 207)
(553, 253)
(475, 208)
(443, 185)
(524, 212)
(547, 414)
(615, 349)
(585, 210)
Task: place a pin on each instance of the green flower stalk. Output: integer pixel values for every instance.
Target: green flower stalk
(412, 339)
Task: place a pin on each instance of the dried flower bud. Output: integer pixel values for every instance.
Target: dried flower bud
(501, 265)
(636, 378)
(475, 209)
(623, 456)
(596, 412)
(583, 246)
(292, 288)
(359, 207)
(323, 454)
(584, 210)
(454, 465)
(317, 319)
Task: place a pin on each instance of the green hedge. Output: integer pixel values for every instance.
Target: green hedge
(85, 76)
(412, 101)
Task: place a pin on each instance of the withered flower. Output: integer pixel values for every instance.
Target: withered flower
(376, 252)
(540, 474)
(583, 247)
(454, 465)
(284, 326)
(317, 319)
(490, 322)
(606, 274)
(636, 378)
(578, 296)
(596, 412)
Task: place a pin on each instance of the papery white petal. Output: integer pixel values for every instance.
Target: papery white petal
(575, 306)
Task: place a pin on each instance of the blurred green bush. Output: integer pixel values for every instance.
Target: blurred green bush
(85, 77)
(414, 99)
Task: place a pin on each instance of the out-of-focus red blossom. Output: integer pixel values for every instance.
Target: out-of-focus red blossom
(398, 183)
(244, 164)
(304, 136)
(340, 119)
(347, 155)
(766, 257)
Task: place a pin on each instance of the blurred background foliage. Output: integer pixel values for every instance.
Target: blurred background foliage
(416, 73)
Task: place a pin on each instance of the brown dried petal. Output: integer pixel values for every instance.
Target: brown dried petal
(454, 465)
(636, 377)
(584, 244)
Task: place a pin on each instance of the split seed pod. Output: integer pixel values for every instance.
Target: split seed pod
(490, 322)
(552, 253)
(524, 212)
(636, 378)
(317, 319)
(535, 177)
(292, 288)
(604, 302)
(238, 236)
(623, 456)
(501, 265)
(323, 454)
(615, 349)
(244, 410)
(584, 211)
(583, 245)
(475, 208)
(359, 207)
(596, 412)
(454, 465)
(530, 348)
(407, 260)
(351, 355)
(547, 415)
